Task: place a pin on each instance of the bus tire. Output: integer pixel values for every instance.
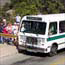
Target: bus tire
(53, 51)
(19, 51)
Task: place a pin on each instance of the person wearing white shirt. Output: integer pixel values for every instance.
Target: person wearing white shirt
(15, 29)
(18, 19)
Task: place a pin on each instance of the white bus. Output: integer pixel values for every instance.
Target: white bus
(42, 33)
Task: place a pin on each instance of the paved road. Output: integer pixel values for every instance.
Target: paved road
(34, 59)
(7, 50)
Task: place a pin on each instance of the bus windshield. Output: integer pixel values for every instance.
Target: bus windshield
(33, 27)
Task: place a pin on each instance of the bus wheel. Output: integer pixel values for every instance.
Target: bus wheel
(19, 51)
(53, 51)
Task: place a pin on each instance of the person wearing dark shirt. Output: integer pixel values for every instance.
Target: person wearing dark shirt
(1, 29)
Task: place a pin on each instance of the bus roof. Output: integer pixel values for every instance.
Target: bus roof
(45, 18)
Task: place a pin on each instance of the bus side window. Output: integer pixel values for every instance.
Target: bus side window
(62, 26)
(52, 28)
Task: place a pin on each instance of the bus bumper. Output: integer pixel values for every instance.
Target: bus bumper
(31, 49)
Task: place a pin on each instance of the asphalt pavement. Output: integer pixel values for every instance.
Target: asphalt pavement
(7, 50)
(10, 56)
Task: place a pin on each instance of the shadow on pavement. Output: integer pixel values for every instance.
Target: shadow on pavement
(40, 54)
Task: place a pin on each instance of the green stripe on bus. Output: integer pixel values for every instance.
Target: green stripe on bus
(55, 37)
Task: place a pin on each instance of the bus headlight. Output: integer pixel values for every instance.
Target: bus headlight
(41, 40)
(22, 39)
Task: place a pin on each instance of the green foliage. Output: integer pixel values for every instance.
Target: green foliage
(28, 7)
(25, 7)
(53, 7)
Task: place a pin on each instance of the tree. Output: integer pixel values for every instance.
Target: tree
(25, 7)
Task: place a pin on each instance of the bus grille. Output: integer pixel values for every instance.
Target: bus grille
(31, 40)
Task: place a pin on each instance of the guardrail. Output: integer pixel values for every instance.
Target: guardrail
(8, 35)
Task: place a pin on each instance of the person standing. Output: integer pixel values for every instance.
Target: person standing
(8, 30)
(1, 31)
(4, 21)
(15, 29)
(18, 19)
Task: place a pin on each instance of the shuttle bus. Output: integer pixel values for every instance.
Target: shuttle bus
(42, 33)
